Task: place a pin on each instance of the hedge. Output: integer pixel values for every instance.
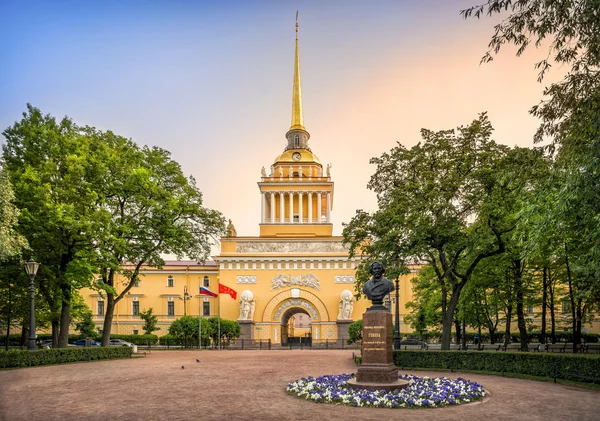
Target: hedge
(580, 368)
(18, 358)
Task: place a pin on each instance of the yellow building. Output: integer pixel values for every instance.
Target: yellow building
(294, 267)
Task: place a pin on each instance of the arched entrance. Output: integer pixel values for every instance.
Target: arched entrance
(296, 327)
(295, 302)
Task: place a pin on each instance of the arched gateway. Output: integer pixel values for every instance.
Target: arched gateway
(283, 306)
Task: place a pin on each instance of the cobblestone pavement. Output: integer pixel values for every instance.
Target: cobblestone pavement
(250, 385)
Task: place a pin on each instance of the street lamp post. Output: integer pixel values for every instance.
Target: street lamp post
(31, 267)
(397, 324)
(186, 297)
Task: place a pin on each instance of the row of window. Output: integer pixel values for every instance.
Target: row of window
(171, 282)
(135, 310)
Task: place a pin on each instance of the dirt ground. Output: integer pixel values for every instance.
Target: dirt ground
(250, 385)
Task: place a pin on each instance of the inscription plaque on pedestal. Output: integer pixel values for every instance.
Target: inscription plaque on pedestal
(377, 361)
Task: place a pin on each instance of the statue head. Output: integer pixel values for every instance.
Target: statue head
(377, 270)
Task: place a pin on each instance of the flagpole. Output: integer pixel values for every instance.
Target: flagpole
(199, 324)
(219, 314)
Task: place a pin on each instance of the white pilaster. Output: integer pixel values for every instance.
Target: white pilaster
(310, 207)
(300, 219)
(328, 207)
(319, 208)
(291, 194)
(281, 207)
(263, 206)
(272, 208)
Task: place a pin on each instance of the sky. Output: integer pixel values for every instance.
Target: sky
(212, 82)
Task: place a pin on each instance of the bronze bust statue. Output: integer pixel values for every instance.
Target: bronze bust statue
(378, 286)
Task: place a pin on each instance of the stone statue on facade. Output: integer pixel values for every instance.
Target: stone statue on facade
(280, 171)
(231, 232)
(263, 172)
(346, 305)
(300, 172)
(247, 303)
(328, 170)
(378, 286)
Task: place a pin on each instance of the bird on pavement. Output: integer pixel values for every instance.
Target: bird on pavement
(197, 360)
(182, 367)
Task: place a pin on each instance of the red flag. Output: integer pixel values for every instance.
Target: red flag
(226, 290)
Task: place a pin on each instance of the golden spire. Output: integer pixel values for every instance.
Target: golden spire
(297, 118)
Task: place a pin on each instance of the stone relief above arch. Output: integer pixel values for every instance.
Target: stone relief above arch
(306, 280)
(301, 298)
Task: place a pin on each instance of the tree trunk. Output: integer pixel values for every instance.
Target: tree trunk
(518, 280)
(508, 319)
(24, 332)
(108, 318)
(54, 333)
(492, 331)
(457, 331)
(572, 298)
(544, 305)
(448, 317)
(65, 315)
(552, 315)
(577, 332)
(8, 317)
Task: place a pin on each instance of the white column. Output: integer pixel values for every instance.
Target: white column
(272, 208)
(310, 207)
(328, 207)
(291, 194)
(263, 206)
(281, 208)
(300, 219)
(319, 208)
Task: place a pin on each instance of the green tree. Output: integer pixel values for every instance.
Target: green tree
(86, 326)
(187, 328)
(229, 330)
(153, 209)
(432, 206)
(53, 169)
(355, 331)
(150, 321)
(11, 242)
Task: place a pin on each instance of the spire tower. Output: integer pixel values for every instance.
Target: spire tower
(297, 136)
(297, 117)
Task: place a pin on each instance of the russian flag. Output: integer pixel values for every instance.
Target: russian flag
(206, 291)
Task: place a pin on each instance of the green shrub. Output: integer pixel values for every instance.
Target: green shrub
(17, 358)
(581, 368)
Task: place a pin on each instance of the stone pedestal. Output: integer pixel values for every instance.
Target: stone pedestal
(377, 370)
(246, 329)
(342, 330)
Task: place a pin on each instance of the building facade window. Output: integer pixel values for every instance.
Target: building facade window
(206, 308)
(136, 283)
(296, 141)
(206, 282)
(530, 308)
(566, 306)
(170, 282)
(135, 311)
(170, 308)
(100, 308)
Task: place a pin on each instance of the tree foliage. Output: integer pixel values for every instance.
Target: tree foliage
(150, 321)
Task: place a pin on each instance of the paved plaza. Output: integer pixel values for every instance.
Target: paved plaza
(250, 385)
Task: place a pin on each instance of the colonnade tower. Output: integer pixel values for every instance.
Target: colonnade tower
(297, 193)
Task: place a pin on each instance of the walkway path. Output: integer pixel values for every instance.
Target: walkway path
(250, 385)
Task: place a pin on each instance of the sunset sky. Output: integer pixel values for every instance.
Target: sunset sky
(212, 82)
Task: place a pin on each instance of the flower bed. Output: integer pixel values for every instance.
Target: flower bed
(420, 392)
